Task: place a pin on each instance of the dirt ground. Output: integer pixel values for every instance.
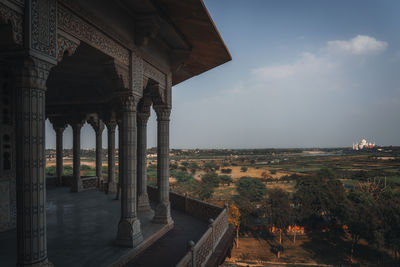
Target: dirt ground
(313, 249)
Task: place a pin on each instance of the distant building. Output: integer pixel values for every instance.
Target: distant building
(363, 144)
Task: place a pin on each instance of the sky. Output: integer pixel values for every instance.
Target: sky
(304, 73)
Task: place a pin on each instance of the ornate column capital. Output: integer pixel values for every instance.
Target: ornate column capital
(31, 72)
(163, 112)
(111, 125)
(128, 103)
(76, 121)
(97, 125)
(142, 118)
(59, 124)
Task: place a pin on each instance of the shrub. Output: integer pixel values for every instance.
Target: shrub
(50, 171)
(226, 179)
(227, 171)
(243, 169)
(85, 167)
(181, 176)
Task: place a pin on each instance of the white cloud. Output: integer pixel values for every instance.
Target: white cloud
(359, 45)
(307, 64)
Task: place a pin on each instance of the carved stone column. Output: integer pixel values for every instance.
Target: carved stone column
(59, 127)
(76, 147)
(143, 198)
(98, 127)
(30, 86)
(163, 211)
(99, 152)
(120, 157)
(111, 187)
(129, 233)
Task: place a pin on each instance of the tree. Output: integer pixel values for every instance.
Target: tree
(389, 211)
(320, 199)
(362, 219)
(279, 211)
(181, 176)
(243, 169)
(326, 173)
(251, 189)
(226, 179)
(234, 220)
(193, 166)
(210, 178)
(209, 182)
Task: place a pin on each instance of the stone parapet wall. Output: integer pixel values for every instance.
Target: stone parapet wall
(196, 208)
(201, 252)
(87, 182)
(217, 217)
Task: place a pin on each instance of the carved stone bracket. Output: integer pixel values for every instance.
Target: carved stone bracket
(156, 92)
(15, 19)
(149, 71)
(120, 74)
(66, 45)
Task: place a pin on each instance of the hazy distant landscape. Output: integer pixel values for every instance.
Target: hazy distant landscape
(326, 206)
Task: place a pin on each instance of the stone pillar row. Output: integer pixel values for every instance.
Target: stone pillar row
(30, 76)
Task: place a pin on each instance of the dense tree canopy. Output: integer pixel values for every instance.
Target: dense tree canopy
(251, 189)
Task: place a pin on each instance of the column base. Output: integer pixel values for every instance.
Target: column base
(163, 214)
(99, 182)
(59, 181)
(77, 186)
(43, 263)
(111, 187)
(129, 233)
(143, 202)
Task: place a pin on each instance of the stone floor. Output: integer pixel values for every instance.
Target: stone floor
(81, 229)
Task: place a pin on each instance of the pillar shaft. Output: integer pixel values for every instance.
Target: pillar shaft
(129, 233)
(120, 157)
(99, 156)
(59, 154)
(76, 147)
(111, 156)
(163, 212)
(98, 127)
(143, 198)
(30, 88)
